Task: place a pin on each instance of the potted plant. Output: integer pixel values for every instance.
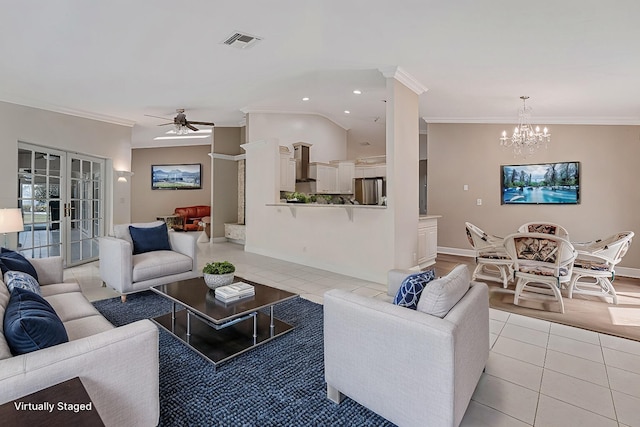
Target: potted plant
(218, 273)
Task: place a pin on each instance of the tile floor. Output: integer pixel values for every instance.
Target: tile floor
(538, 374)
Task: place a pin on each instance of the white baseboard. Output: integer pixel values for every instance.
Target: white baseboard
(620, 271)
(455, 251)
(628, 272)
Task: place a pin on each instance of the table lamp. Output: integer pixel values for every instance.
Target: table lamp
(10, 222)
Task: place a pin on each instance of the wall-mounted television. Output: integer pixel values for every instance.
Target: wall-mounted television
(543, 183)
(176, 177)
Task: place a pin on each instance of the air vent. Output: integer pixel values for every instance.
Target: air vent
(241, 40)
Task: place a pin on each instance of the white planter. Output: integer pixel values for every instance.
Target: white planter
(215, 280)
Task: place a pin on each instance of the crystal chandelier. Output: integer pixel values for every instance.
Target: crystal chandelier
(525, 140)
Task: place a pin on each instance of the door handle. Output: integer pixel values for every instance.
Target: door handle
(67, 209)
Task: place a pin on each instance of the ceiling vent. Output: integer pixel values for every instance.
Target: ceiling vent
(241, 40)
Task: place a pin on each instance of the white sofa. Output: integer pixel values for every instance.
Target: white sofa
(118, 366)
(412, 368)
(128, 273)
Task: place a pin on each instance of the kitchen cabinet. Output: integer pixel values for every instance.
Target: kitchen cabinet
(427, 240)
(287, 173)
(371, 171)
(346, 172)
(325, 176)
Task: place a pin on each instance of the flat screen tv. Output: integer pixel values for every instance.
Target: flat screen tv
(538, 184)
(176, 177)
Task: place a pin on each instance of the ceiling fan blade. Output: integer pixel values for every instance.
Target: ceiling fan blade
(202, 123)
(164, 124)
(193, 128)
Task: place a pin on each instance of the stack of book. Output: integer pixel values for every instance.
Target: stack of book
(234, 292)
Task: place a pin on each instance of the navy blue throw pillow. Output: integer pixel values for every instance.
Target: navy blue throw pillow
(11, 260)
(30, 323)
(412, 286)
(149, 239)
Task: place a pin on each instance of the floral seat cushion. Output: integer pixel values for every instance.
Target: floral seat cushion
(591, 265)
(540, 270)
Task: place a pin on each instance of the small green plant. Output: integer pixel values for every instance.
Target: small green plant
(300, 197)
(219, 267)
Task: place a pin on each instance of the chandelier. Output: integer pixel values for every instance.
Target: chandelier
(180, 129)
(525, 140)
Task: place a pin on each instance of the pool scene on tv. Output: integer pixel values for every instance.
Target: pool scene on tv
(550, 183)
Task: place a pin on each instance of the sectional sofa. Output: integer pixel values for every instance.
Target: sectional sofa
(118, 366)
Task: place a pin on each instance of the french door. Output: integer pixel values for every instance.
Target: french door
(61, 195)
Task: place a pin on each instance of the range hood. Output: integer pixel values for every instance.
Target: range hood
(301, 155)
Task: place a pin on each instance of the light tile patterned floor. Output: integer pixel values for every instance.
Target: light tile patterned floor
(539, 373)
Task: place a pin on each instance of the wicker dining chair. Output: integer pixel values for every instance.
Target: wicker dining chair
(542, 264)
(594, 267)
(492, 261)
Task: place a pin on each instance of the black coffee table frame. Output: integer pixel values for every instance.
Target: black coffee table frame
(220, 331)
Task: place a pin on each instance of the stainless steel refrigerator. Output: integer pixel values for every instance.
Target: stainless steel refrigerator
(369, 191)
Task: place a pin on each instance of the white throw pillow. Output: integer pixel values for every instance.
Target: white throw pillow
(440, 295)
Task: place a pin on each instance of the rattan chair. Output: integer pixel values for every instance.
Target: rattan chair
(544, 227)
(594, 267)
(542, 264)
(492, 261)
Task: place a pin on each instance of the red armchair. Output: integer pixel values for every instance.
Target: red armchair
(191, 216)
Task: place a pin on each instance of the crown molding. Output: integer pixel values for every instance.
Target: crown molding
(274, 110)
(68, 111)
(228, 156)
(405, 78)
(602, 121)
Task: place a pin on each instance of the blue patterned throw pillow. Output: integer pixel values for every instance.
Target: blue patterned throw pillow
(18, 279)
(412, 286)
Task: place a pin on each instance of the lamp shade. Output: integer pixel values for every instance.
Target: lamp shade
(11, 220)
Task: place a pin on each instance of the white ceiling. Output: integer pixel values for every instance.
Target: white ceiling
(117, 60)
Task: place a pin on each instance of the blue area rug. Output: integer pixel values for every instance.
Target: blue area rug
(280, 383)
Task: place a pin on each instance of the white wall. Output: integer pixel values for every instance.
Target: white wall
(365, 245)
(64, 132)
(402, 172)
(321, 237)
(329, 140)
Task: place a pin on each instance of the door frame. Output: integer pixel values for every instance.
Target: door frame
(65, 199)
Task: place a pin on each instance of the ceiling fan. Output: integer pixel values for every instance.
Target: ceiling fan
(182, 124)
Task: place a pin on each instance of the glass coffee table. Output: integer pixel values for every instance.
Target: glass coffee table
(218, 330)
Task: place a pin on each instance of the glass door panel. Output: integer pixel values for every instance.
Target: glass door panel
(39, 195)
(60, 195)
(84, 208)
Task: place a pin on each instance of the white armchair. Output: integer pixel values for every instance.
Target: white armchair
(410, 367)
(128, 273)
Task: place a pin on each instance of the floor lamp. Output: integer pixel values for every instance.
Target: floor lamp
(10, 222)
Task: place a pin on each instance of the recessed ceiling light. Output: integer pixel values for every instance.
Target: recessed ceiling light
(347, 112)
(357, 92)
(306, 98)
